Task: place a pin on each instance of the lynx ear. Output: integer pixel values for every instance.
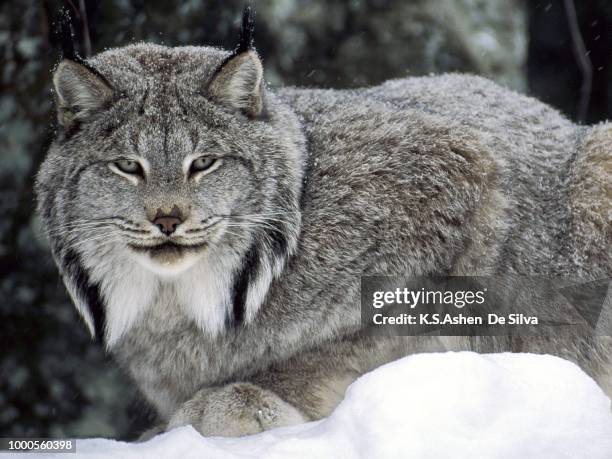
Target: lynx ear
(238, 84)
(80, 91)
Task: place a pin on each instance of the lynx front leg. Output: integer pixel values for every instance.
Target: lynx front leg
(306, 387)
(234, 410)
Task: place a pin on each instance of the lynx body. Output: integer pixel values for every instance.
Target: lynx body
(213, 232)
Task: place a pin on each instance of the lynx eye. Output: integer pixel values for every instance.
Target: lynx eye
(202, 164)
(129, 166)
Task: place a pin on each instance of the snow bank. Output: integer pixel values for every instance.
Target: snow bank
(459, 405)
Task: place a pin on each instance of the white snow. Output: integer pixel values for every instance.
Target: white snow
(450, 405)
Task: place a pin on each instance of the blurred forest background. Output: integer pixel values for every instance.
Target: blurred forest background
(53, 380)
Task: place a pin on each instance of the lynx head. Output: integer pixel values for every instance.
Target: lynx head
(172, 168)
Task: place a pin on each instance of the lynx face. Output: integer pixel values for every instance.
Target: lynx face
(170, 166)
(171, 191)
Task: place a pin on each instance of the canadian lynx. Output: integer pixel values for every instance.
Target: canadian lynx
(212, 231)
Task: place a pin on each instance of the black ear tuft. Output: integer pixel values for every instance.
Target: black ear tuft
(65, 33)
(238, 82)
(245, 42)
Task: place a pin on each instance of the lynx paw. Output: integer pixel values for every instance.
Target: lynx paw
(235, 410)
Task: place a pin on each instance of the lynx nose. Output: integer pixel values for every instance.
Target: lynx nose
(168, 222)
(167, 225)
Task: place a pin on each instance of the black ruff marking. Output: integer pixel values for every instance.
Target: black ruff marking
(87, 291)
(245, 274)
(276, 242)
(277, 239)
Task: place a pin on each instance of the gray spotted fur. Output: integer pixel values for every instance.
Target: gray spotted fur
(446, 174)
